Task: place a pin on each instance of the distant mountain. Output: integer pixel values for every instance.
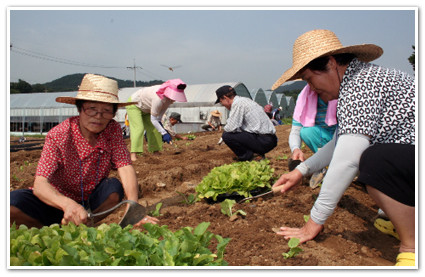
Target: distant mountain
(71, 83)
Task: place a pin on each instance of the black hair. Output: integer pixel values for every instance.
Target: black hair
(320, 64)
(79, 104)
(231, 94)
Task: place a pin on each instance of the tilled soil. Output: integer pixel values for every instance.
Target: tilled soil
(348, 239)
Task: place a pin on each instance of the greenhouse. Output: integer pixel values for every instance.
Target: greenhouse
(290, 106)
(259, 96)
(272, 98)
(39, 112)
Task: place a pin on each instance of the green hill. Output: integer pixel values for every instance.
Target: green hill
(71, 83)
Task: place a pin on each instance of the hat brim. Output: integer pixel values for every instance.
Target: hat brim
(363, 52)
(72, 101)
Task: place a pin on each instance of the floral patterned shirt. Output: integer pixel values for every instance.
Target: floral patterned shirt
(377, 102)
(73, 166)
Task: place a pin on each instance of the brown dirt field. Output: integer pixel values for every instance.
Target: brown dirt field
(349, 237)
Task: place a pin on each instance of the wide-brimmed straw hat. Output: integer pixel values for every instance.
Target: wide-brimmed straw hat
(216, 113)
(96, 88)
(319, 43)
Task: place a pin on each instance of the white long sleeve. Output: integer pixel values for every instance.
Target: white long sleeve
(295, 138)
(341, 172)
(156, 121)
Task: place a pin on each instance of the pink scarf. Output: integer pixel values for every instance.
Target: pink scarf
(306, 108)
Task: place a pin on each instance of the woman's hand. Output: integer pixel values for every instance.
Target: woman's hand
(74, 212)
(289, 180)
(298, 155)
(308, 232)
(147, 219)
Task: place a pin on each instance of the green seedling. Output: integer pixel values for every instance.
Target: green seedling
(226, 208)
(189, 199)
(191, 137)
(306, 217)
(156, 213)
(14, 177)
(294, 249)
(283, 157)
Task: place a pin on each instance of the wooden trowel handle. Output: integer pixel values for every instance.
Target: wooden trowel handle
(277, 189)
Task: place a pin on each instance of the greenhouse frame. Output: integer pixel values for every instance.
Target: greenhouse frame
(37, 113)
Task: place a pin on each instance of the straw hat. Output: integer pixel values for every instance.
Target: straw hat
(319, 43)
(96, 88)
(216, 113)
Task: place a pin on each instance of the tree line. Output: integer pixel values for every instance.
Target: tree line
(69, 83)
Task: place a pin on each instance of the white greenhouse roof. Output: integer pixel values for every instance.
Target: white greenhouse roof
(194, 93)
(259, 96)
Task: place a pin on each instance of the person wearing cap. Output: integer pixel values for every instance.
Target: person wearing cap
(314, 122)
(276, 115)
(151, 104)
(248, 129)
(169, 122)
(77, 157)
(375, 135)
(213, 121)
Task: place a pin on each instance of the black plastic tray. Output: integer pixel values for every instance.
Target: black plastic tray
(235, 196)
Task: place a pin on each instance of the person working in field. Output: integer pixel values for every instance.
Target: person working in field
(77, 157)
(169, 122)
(248, 129)
(213, 121)
(314, 122)
(375, 134)
(146, 114)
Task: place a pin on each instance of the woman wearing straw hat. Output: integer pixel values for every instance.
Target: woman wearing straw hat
(151, 104)
(213, 121)
(375, 135)
(77, 157)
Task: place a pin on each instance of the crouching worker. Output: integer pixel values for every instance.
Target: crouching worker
(169, 123)
(77, 157)
(375, 134)
(248, 130)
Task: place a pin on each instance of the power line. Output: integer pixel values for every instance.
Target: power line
(45, 57)
(134, 67)
(54, 59)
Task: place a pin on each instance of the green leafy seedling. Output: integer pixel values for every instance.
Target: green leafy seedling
(283, 157)
(156, 213)
(294, 249)
(306, 217)
(189, 199)
(191, 137)
(226, 208)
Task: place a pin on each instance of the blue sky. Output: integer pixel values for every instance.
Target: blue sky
(250, 45)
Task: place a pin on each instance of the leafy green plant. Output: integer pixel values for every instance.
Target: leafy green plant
(191, 137)
(283, 157)
(16, 178)
(293, 248)
(189, 199)
(227, 206)
(111, 245)
(306, 217)
(156, 212)
(240, 177)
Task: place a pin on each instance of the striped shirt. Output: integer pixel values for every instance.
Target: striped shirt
(248, 116)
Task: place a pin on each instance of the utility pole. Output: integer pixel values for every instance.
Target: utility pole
(134, 67)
